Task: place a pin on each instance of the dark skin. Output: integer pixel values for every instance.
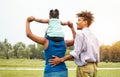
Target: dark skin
(56, 60)
(42, 40)
(81, 23)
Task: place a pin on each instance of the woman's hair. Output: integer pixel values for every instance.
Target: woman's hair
(54, 13)
(87, 16)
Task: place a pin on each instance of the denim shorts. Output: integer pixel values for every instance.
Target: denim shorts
(56, 74)
(56, 39)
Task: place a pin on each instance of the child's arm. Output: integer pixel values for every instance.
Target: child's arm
(64, 23)
(41, 20)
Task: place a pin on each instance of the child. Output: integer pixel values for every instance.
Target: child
(54, 31)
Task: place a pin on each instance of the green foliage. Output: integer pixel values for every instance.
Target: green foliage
(69, 49)
(20, 50)
(35, 51)
(5, 48)
(110, 53)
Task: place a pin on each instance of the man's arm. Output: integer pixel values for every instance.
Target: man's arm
(56, 60)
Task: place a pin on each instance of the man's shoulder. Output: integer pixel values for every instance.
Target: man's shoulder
(79, 33)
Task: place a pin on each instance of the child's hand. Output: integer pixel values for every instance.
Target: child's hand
(30, 19)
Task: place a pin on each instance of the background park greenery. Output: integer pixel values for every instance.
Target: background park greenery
(108, 53)
(30, 56)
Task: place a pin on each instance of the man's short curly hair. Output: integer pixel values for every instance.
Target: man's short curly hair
(87, 16)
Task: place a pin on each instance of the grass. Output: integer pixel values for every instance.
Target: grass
(22, 63)
(21, 73)
(108, 73)
(109, 65)
(39, 73)
(36, 63)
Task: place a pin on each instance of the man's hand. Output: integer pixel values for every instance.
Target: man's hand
(56, 60)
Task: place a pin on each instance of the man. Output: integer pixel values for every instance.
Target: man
(86, 48)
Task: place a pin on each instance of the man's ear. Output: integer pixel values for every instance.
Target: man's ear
(86, 22)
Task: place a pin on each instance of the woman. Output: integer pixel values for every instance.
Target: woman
(51, 49)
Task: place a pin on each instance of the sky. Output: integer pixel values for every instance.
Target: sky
(13, 14)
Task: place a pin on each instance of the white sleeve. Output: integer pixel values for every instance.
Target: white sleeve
(77, 46)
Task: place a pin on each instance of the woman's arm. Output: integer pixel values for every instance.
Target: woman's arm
(71, 42)
(41, 20)
(40, 40)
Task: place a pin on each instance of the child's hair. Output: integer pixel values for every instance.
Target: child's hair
(54, 13)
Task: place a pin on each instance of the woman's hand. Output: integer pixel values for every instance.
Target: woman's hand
(70, 24)
(30, 19)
